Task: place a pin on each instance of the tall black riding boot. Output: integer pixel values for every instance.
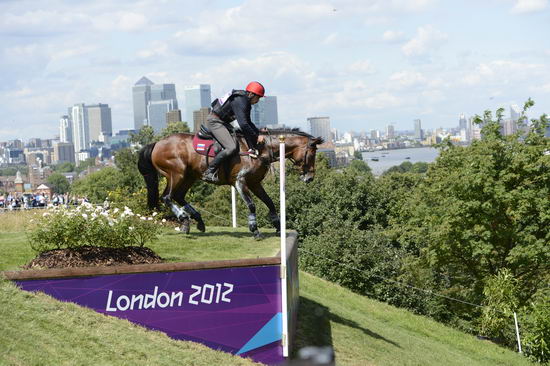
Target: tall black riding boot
(211, 173)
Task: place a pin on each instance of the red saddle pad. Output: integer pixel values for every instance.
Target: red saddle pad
(203, 147)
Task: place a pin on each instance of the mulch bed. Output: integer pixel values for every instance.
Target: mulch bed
(93, 256)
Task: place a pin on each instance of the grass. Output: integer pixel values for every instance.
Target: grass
(37, 329)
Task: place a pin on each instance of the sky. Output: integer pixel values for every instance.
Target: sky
(363, 63)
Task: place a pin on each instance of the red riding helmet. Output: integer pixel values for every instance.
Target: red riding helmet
(256, 88)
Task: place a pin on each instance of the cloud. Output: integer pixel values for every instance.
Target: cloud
(406, 79)
(529, 6)
(391, 36)
(427, 39)
(362, 67)
(120, 21)
(503, 72)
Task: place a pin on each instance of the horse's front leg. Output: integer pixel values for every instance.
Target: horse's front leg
(245, 194)
(180, 213)
(260, 192)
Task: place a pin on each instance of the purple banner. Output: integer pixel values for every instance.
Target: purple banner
(236, 310)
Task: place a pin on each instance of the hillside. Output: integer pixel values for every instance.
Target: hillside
(39, 330)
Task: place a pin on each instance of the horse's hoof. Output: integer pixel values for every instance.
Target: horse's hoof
(201, 227)
(257, 235)
(185, 227)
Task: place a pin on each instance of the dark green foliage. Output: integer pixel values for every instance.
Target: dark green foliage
(12, 170)
(173, 128)
(64, 167)
(407, 166)
(501, 301)
(357, 259)
(359, 165)
(59, 183)
(96, 186)
(536, 328)
(83, 165)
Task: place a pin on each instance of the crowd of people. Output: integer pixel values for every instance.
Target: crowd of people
(28, 200)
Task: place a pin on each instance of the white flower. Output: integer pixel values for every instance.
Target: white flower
(85, 216)
(163, 220)
(143, 218)
(155, 214)
(177, 229)
(131, 228)
(45, 214)
(149, 218)
(115, 210)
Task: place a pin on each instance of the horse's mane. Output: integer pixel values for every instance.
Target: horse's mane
(286, 131)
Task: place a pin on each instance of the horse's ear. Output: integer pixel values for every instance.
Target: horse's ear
(318, 141)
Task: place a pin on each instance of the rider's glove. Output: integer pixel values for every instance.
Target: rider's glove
(253, 153)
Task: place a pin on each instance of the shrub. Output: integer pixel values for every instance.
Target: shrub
(537, 334)
(88, 225)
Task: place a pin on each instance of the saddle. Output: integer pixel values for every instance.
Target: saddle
(205, 144)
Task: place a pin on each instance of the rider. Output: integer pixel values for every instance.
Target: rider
(234, 105)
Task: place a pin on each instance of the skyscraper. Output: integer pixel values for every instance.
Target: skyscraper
(390, 132)
(462, 122)
(157, 111)
(141, 95)
(320, 127)
(199, 118)
(144, 93)
(81, 130)
(418, 133)
(65, 129)
(196, 97)
(99, 121)
(515, 112)
(265, 112)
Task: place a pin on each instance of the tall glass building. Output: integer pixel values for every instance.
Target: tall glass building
(265, 112)
(320, 127)
(99, 121)
(196, 97)
(81, 129)
(145, 92)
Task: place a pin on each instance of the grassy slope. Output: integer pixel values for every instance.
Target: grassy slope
(39, 330)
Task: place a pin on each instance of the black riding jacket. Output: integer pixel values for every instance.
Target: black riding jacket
(236, 105)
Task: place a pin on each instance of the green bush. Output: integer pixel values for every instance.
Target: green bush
(537, 333)
(501, 301)
(89, 225)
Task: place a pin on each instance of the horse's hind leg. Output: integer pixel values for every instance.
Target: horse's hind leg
(168, 199)
(260, 192)
(179, 196)
(245, 194)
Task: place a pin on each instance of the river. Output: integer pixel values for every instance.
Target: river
(389, 158)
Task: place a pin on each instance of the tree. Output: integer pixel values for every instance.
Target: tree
(97, 185)
(144, 136)
(85, 164)
(59, 183)
(64, 167)
(360, 166)
(484, 208)
(173, 128)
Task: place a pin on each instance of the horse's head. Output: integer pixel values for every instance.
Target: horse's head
(303, 156)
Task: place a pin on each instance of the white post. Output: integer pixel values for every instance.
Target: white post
(517, 331)
(284, 295)
(234, 206)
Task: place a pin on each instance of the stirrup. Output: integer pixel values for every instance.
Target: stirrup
(210, 176)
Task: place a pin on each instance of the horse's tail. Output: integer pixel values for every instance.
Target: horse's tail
(150, 174)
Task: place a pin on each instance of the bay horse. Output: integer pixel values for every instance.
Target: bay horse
(175, 159)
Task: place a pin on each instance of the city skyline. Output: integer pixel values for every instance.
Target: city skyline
(365, 64)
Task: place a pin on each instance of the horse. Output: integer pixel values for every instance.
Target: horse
(176, 160)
